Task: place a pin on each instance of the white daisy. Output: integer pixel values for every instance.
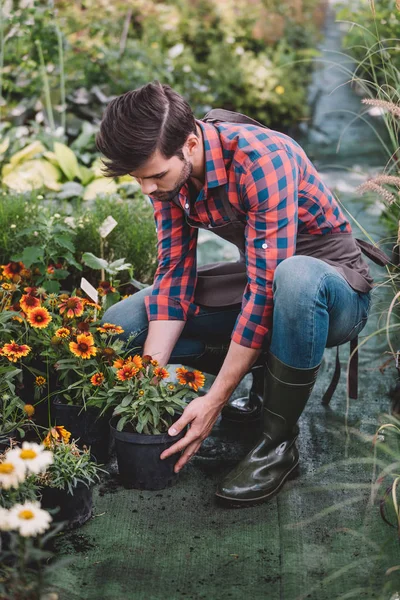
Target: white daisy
(12, 472)
(34, 456)
(29, 519)
(4, 519)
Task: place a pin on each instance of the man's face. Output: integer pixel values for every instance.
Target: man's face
(162, 178)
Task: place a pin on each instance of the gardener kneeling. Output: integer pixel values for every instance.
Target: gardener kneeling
(300, 284)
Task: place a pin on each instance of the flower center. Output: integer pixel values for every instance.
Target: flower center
(38, 318)
(27, 454)
(71, 303)
(190, 377)
(6, 468)
(83, 347)
(26, 514)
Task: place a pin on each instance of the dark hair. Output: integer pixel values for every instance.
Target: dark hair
(136, 124)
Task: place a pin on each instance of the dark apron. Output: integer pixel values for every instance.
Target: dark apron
(223, 283)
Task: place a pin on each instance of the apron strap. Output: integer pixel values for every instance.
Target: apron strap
(353, 375)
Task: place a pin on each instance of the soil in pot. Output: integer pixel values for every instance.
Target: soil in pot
(75, 509)
(139, 462)
(93, 431)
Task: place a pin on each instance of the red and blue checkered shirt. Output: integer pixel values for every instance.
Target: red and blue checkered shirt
(273, 184)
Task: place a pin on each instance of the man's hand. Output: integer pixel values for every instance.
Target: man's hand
(201, 413)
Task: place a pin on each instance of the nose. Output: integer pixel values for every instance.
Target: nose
(148, 187)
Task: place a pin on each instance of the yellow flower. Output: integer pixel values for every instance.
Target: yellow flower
(40, 381)
(39, 317)
(63, 332)
(29, 410)
(280, 90)
(56, 434)
(84, 346)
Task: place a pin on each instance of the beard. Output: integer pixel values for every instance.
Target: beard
(184, 177)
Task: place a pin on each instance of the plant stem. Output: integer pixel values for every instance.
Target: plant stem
(62, 78)
(46, 87)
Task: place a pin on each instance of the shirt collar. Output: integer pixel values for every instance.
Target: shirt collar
(214, 164)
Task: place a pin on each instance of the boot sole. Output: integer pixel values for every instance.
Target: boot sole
(236, 503)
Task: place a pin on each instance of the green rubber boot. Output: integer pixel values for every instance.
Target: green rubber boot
(262, 473)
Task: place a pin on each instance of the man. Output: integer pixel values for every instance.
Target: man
(306, 286)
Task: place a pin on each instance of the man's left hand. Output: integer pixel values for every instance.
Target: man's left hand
(201, 413)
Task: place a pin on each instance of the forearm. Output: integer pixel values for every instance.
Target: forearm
(161, 339)
(238, 362)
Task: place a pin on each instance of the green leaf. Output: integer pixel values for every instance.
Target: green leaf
(65, 242)
(60, 274)
(71, 260)
(67, 161)
(127, 400)
(51, 286)
(31, 255)
(93, 261)
(121, 423)
(111, 299)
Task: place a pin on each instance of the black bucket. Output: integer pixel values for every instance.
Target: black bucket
(75, 509)
(86, 425)
(139, 462)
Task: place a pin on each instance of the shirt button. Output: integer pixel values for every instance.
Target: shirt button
(264, 246)
(186, 205)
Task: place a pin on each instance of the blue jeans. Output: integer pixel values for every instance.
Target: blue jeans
(314, 308)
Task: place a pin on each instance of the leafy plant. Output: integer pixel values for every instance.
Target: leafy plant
(71, 466)
(140, 397)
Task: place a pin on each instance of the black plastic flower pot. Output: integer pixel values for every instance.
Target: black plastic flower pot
(6, 440)
(74, 509)
(86, 425)
(138, 456)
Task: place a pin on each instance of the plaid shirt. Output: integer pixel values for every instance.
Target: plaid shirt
(273, 184)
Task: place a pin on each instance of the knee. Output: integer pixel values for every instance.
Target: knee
(297, 276)
(131, 315)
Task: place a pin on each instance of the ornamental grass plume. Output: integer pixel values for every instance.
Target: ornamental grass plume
(386, 105)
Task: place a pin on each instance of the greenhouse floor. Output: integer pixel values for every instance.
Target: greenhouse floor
(305, 543)
(320, 538)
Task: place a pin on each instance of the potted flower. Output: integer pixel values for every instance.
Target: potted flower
(62, 330)
(145, 406)
(68, 482)
(25, 527)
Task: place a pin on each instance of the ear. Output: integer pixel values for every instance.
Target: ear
(192, 144)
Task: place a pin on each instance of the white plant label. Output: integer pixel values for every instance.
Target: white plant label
(107, 226)
(89, 290)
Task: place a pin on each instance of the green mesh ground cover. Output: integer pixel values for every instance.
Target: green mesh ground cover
(307, 543)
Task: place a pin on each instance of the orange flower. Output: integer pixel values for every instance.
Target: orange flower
(39, 317)
(119, 363)
(105, 288)
(84, 346)
(29, 410)
(63, 332)
(161, 373)
(128, 371)
(28, 302)
(6, 286)
(13, 270)
(194, 379)
(73, 306)
(56, 435)
(40, 381)
(110, 329)
(135, 360)
(97, 379)
(154, 363)
(14, 351)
